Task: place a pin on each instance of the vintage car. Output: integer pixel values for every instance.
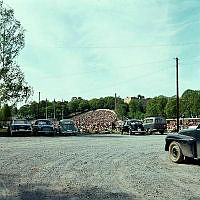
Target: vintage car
(155, 124)
(67, 127)
(20, 127)
(132, 126)
(43, 127)
(185, 144)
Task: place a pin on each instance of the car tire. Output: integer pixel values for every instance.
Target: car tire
(175, 152)
(161, 131)
(148, 131)
(11, 134)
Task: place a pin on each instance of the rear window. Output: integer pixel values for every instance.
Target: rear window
(20, 122)
(160, 120)
(43, 123)
(149, 121)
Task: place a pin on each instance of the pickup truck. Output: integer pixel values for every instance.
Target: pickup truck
(185, 144)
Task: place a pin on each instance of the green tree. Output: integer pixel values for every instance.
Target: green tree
(156, 106)
(13, 86)
(96, 103)
(33, 109)
(14, 111)
(83, 106)
(190, 103)
(109, 103)
(73, 105)
(122, 110)
(23, 111)
(5, 112)
(136, 109)
(170, 108)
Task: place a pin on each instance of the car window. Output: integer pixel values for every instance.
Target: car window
(43, 123)
(20, 122)
(149, 121)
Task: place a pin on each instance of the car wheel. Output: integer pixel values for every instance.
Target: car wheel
(175, 152)
(161, 132)
(148, 131)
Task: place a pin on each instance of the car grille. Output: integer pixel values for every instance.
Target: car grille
(47, 129)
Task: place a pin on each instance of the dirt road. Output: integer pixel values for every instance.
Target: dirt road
(93, 167)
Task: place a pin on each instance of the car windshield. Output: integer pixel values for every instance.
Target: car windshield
(45, 122)
(132, 121)
(67, 123)
(20, 122)
(69, 127)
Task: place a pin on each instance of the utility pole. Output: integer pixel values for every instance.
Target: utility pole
(62, 109)
(115, 102)
(54, 109)
(177, 97)
(39, 106)
(46, 109)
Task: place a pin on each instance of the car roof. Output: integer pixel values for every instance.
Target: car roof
(19, 119)
(133, 120)
(64, 120)
(43, 120)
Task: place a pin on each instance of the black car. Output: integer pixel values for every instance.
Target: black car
(67, 127)
(132, 126)
(20, 127)
(43, 127)
(155, 124)
(185, 144)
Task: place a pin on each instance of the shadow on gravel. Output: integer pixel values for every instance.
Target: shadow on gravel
(83, 194)
(12, 189)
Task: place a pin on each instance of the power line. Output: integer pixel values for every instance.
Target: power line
(128, 80)
(122, 67)
(131, 46)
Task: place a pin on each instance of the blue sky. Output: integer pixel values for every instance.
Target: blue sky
(96, 48)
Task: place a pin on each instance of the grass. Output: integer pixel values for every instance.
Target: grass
(3, 132)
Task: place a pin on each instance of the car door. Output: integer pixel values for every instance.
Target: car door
(198, 143)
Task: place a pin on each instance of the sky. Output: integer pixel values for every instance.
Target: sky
(96, 48)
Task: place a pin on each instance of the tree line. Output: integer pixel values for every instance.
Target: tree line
(137, 108)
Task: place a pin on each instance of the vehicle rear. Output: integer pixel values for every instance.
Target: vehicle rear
(44, 127)
(155, 124)
(133, 126)
(67, 127)
(20, 127)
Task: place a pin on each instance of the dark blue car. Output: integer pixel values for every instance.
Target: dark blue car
(20, 127)
(43, 127)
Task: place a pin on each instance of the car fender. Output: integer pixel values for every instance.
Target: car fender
(187, 144)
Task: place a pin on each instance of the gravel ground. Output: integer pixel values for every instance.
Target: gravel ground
(93, 167)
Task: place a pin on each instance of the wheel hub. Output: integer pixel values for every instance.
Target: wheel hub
(175, 152)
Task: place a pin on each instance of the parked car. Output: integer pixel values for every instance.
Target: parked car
(185, 144)
(67, 127)
(20, 127)
(43, 127)
(155, 124)
(132, 126)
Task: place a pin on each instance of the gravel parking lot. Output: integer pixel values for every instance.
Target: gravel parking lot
(93, 167)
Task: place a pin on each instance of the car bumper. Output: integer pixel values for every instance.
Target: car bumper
(21, 131)
(47, 132)
(138, 132)
(68, 133)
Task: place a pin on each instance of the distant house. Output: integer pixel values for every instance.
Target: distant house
(139, 97)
